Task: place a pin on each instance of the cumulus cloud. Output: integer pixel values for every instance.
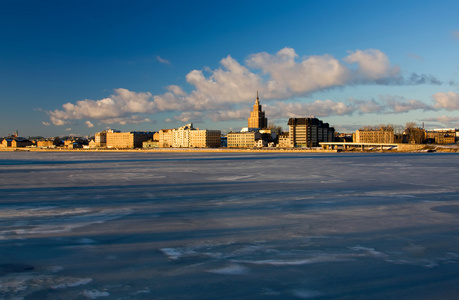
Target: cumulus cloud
(233, 83)
(221, 94)
(135, 119)
(123, 105)
(318, 108)
(89, 124)
(230, 115)
(46, 123)
(385, 104)
(448, 101)
(373, 65)
(289, 77)
(190, 117)
(367, 106)
(397, 104)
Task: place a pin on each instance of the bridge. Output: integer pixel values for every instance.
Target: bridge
(361, 146)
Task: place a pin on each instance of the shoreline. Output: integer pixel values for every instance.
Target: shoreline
(424, 149)
(168, 150)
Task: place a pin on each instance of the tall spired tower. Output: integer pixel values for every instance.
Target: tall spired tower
(257, 116)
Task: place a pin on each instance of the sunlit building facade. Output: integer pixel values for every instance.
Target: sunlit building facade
(257, 117)
(375, 136)
(309, 132)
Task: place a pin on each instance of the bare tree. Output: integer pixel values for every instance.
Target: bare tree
(275, 128)
(413, 134)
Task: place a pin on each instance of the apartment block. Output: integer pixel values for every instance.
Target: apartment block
(127, 140)
(374, 136)
(165, 138)
(242, 139)
(100, 138)
(205, 138)
(187, 136)
(309, 132)
(284, 140)
(181, 136)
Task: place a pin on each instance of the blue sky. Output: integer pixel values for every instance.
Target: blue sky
(78, 67)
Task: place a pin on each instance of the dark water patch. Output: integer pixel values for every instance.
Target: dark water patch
(14, 268)
(451, 209)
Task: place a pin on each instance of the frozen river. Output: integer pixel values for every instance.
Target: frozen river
(228, 226)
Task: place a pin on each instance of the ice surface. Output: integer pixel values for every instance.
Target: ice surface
(89, 225)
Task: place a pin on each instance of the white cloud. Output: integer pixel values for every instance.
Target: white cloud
(373, 65)
(221, 93)
(190, 117)
(89, 124)
(176, 90)
(448, 101)
(46, 123)
(397, 104)
(233, 83)
(288, 77)
(124, 104)
(386, 104)
(367, 106)
(229, 115)
(163, 60)
(134, 119)
(68, 129)
(318, 108)
(444, 120)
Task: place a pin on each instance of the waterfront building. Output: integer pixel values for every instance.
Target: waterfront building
(187, 136)
(242, 139)
(100, 138)
(442, 136)
(181, 136)
(150, 144)
(257, 117)
(127, 140)
(15, 142)
(205, 138)
(445, 139)
(165, 138)
(381, 136)
(48, 143)
(261, 143)
(309, 132)
(284, 140)
(6, 143)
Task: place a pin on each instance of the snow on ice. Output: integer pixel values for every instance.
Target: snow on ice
(87, 225)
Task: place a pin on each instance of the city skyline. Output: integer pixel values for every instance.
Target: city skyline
(79, 68)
